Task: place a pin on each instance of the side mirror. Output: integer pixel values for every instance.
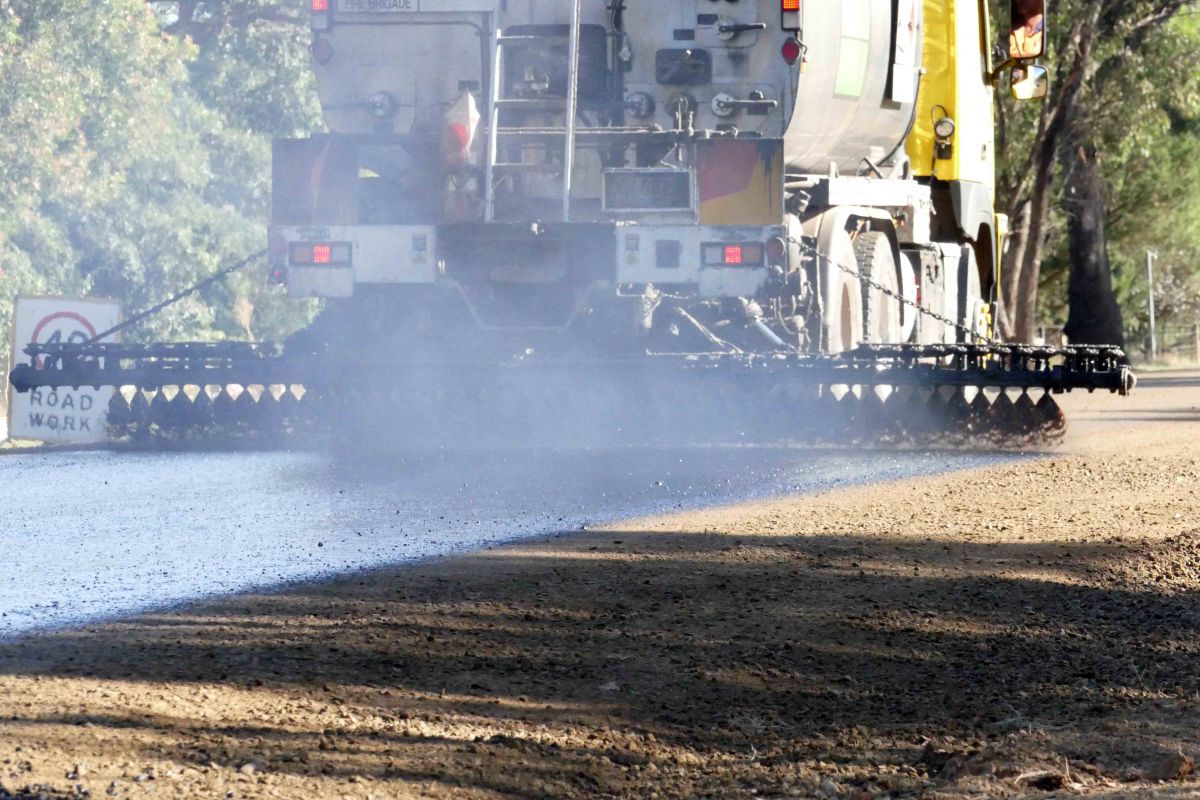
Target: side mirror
(1027, 33)
(1031, 82)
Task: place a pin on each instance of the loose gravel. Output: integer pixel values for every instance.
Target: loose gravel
(1022, 629)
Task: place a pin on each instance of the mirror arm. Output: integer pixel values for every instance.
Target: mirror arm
(1000, 69)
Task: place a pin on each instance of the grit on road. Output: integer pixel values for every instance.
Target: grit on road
(91, 535)
(1023, 628)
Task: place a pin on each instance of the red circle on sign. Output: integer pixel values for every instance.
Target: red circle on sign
(41, 326)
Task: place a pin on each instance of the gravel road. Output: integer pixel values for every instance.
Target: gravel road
(1027, 629)
(89, 536)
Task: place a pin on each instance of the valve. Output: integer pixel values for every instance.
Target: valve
(723, 105)
(727, 28)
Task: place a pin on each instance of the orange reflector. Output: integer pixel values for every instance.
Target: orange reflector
(788, 5)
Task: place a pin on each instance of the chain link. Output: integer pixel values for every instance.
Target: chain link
(954, 324)
(219, 275)
(805, 246)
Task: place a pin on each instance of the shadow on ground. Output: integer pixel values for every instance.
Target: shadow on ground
(693, 663)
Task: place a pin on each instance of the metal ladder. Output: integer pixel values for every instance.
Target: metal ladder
(496, 169)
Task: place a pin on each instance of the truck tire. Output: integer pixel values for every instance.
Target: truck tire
(881, 311)
(844, 314)
(841, 289)
(970, 296)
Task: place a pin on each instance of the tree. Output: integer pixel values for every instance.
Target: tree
(1094, 316)
(135, 162)
(1100, 46)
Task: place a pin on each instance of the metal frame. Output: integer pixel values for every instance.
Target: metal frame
(997, 366)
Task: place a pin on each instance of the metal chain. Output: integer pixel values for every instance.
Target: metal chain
(219, 275)
(225, 272)
(963, 329)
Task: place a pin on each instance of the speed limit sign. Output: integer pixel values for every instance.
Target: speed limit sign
(76, 416)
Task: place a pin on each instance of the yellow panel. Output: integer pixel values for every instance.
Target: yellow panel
(740, 181)
(956, 84)
(937, 96)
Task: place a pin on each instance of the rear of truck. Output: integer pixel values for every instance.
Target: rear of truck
(451, 162)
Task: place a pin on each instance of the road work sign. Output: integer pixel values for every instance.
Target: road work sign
(61, 416)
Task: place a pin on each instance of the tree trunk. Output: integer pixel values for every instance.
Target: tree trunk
(1093, 314)
(1023, 258)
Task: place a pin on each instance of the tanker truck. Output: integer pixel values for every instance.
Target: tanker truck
(531, 163)
(769, 192)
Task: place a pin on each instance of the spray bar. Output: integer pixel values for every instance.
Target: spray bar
(1000, 366)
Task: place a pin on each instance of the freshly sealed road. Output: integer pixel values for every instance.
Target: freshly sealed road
(89, 536)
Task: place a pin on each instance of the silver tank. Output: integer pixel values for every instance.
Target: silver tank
(857, 97)
(851, 100)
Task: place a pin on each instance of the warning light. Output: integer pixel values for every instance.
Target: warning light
(733, 254)
(333, 254)
(791, 15)
(320, 15)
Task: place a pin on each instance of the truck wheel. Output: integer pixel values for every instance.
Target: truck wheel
(971, 303)
(843, 311)
(881, 311)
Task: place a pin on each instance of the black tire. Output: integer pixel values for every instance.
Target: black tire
(881, 312)
(969, 290)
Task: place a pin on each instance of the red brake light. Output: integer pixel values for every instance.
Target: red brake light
(323, 5)
(733, 254)
(321, 254)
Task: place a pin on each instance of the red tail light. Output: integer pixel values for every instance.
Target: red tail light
(321, 254)
(733, 254)
(323, 5)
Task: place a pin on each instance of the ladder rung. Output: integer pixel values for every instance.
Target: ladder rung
(548, 105)
(559, 133)
(531, 133)
(526, 38)
(523, 167)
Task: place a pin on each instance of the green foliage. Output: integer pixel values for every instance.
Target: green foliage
(136, 158)
(1140, 107)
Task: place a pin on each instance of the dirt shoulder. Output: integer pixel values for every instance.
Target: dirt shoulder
(1026, 629)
